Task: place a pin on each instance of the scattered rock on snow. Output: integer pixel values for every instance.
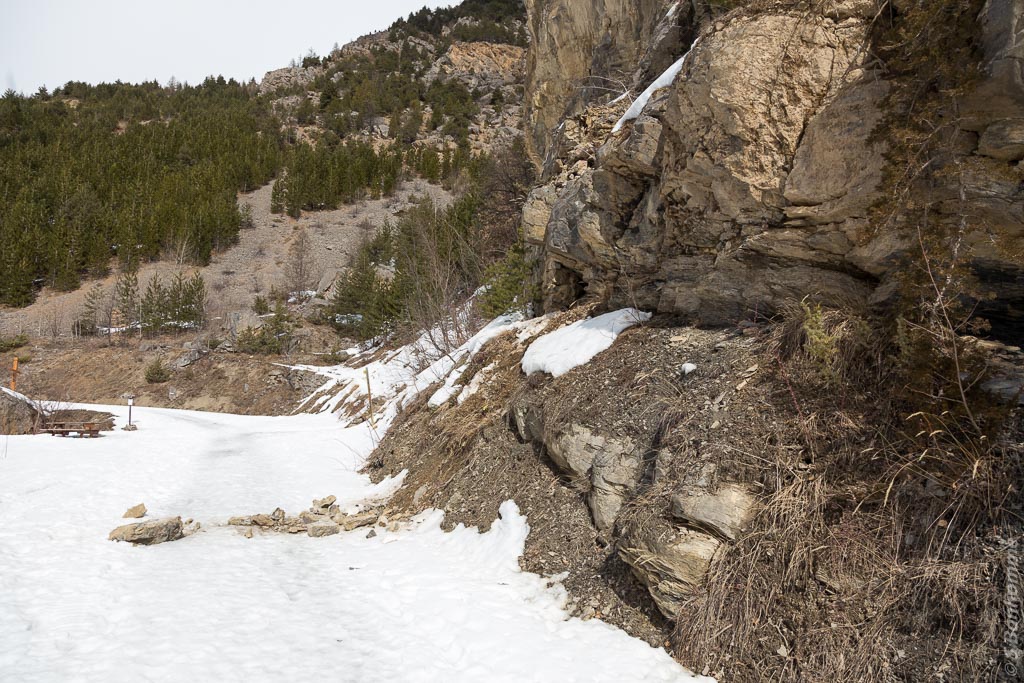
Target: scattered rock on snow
(324, 502)
(323, 528)
(149, 533)
(350, 522)
(263, 520)
(135, 512)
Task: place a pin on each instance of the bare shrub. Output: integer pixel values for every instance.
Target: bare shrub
(302, 272)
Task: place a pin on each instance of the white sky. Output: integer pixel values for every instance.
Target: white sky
(51, 42)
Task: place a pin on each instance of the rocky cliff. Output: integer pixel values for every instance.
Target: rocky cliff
(757, 175)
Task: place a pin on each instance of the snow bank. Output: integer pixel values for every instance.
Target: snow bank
(663, 81)
(560, 351)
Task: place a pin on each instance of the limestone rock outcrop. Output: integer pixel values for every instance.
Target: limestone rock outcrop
(18, 415)
(723, 513)
(668, 560)
(750, 180)
(580, 50)
(288, 77)
(604, 464)
(480, 65)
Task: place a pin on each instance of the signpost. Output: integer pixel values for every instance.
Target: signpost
(131, 401)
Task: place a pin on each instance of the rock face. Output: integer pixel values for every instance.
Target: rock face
(582, 49)
(288, 77)
(149, 533)
(749, 180)
(480, 65)
(17, 413)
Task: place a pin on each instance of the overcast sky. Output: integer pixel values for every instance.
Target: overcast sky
(51, 42)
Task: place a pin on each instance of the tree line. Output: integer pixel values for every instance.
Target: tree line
(132, 172)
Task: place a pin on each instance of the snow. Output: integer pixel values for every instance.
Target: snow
(568, 347)
(687, 368)
(475, 383)
(15, 395)
(447, 390)
(663, 81)
(415, 604)
(398, 376)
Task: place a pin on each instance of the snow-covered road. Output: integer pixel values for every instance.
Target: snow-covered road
(414, 605)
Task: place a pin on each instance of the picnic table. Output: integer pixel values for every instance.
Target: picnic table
(78, 429)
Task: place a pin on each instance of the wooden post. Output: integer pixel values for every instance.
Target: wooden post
(369, 399)
(14, 374)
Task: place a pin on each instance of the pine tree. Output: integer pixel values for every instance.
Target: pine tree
(127, 293)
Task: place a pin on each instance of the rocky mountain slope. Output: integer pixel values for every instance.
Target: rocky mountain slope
(802, 467)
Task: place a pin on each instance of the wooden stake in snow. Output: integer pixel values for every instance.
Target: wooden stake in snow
(370, 400)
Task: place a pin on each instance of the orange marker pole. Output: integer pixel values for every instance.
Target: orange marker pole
(14, 374)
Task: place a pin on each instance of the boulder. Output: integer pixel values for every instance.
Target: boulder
(670, 562)
(18, 415)
(149, 533)
(1003, 140)
(187, 359)
(724, 513)
(263, 520)
(135, 512)
(308, 517)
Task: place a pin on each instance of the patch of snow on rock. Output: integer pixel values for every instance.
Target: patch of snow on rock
(663, 81)
(560, 351)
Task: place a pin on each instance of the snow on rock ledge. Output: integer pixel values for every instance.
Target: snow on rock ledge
(560, 351)
(663, 81)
